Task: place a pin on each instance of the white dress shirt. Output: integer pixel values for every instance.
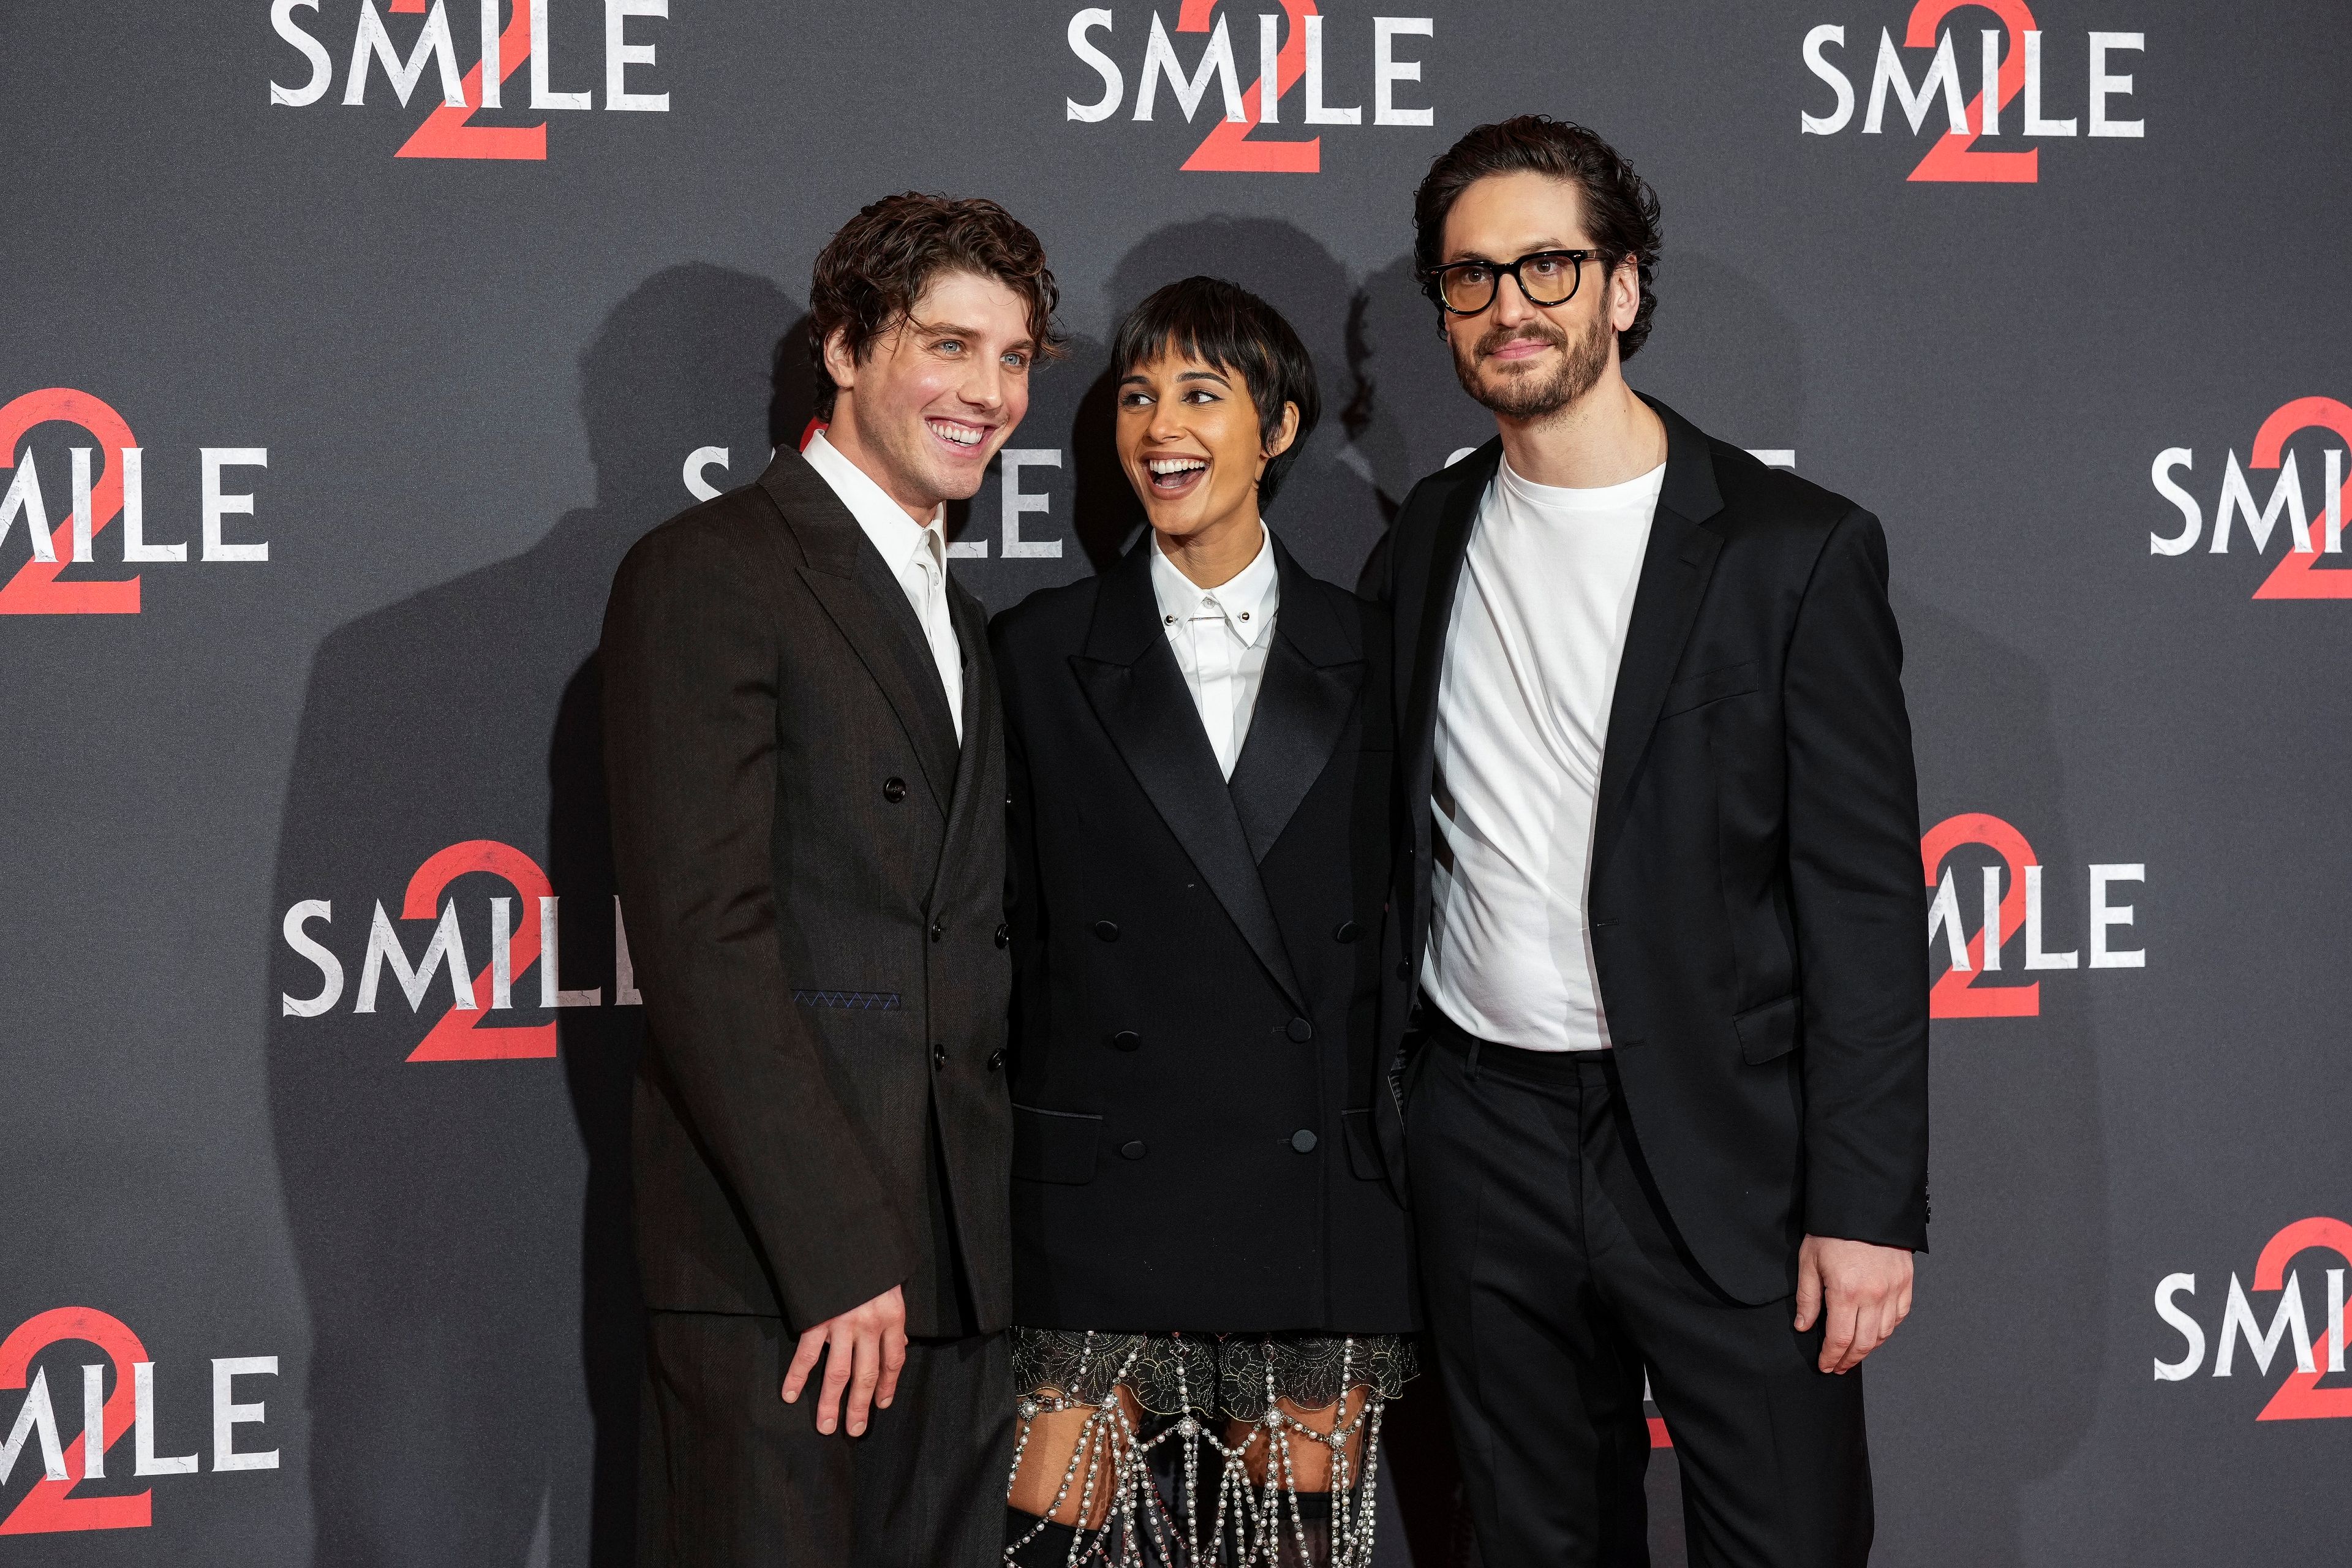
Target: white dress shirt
(1523, 701)
(917, 554)
(1221, 636)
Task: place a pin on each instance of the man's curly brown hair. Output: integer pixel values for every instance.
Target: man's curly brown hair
(870, 274)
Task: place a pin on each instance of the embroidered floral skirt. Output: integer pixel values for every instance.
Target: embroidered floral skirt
(1178, 1423)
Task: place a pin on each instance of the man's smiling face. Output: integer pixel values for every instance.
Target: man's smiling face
(931, 400)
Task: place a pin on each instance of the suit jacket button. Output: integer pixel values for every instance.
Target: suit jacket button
(939, 930)
(894, 790)
(996, 1060)
(939, 1055)
(1303, 1140)
(1348, 931)
(1404, 971)
(1106, 930)
(1300, 1030)
(1134, 1149)
(1128, 1041)
(1004, 936)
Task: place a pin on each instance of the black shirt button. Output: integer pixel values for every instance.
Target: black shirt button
(894, 790)
(1128, 1041)
(1004, 936)
(1134, 1149)
(1348, 931)
(939, 930)
(1106, 930)
(1303, 1140)
(939, 1055)
(996, 1060)
(1300, 1030)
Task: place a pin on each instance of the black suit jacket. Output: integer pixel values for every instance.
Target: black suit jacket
(1196, 1041)
(1757, 914)
(814, 875)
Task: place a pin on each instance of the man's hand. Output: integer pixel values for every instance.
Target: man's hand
(1867, 1291)
(869, 1347)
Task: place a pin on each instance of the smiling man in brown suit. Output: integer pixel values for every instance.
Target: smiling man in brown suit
(806, 766)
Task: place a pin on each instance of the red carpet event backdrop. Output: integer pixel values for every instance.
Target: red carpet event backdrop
(348, 344)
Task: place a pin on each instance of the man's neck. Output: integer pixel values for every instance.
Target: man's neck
(841, 433)
(1605, 437)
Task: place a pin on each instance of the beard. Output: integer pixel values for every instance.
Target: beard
(1523, 395)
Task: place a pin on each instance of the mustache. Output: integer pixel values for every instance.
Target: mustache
(1497, 338)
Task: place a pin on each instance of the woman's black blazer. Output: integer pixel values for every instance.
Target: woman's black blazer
(1197, 971)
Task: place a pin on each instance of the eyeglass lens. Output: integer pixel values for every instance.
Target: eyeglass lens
(1546, 278)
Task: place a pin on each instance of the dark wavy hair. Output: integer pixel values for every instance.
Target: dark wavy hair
(871, 272)
(1621, 210)
(1224, 324)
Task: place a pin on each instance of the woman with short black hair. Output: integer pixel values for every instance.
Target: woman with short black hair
(1212, 1278)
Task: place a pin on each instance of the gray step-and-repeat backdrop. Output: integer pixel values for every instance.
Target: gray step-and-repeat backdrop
(332, 392)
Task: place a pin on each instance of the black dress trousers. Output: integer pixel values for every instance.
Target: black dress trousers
(733, 1477)
(1552, 1281)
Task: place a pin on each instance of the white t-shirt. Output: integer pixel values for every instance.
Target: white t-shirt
(1523, 701)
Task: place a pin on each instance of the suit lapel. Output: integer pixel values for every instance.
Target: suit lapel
(1130, 678)
(1312, 675)
(1676, 567)
(848, 577)
(1423, 623)
(980, 721)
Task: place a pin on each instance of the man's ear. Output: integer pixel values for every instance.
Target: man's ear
(1285, 433)
(839, 362)
(1624, 294)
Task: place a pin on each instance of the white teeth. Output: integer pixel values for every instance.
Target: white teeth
(961, 435)
(1176, 465)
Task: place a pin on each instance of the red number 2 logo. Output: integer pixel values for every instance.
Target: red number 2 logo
(35, 589)
(51, 1505)
(2300, 1397)
(1227, 148)
(461, 1036)
(449, 131)
(1957, 993)
(2293, 577)
(1955, 156)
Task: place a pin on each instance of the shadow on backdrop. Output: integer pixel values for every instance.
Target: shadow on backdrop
(2019, 1161)
(462, 1228)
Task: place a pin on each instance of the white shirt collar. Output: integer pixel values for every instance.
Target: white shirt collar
(898, 538)
(1247, 600)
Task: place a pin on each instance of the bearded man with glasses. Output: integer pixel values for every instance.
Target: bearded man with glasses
(1660, 1038)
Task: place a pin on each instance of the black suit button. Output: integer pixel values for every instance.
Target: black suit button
(1004, 936)
(1348, 931)
(939, 930)
(1134, 1151)
(996, 1060)
(1303, 1140)
(1106, 930)
(894, 790)
(1300, 1030)
(1128, 1041)
(1404, 971)
(939, 1055)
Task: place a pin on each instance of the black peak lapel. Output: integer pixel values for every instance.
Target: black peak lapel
(1676, 567)
(981, 717)
(1129, 675)
(867, 604)
(1424, 620)
(1313, 673)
